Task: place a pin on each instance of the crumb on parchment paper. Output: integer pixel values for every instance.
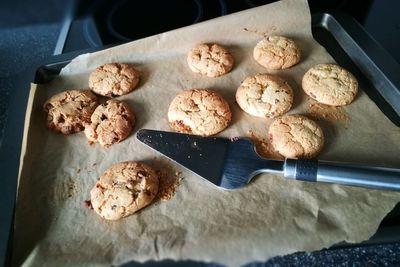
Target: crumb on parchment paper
(90, 167)
(264, 147)
(168, 183)
(71, 187)
(88, 204)
(169, 177)
(63, 190)
(318, 111)
(264, 33)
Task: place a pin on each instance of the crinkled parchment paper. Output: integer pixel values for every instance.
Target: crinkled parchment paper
(269, 217)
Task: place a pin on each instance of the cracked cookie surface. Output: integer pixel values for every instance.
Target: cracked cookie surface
(296, 136)
(113, 79)
(111, 123)
(212, 60)
(265, 96)
(330, 84)
(276, 52)
(200, 112)
(68, 111)
(123, 189)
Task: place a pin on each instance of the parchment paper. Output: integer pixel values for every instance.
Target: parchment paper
(269, 217)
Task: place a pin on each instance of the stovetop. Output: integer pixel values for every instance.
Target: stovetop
(102, 22)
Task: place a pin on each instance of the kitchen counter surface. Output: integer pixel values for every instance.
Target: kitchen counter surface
(21, 48)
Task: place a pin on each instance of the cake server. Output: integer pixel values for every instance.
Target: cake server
(232, 163)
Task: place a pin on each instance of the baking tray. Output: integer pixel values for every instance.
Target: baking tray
(342, 36)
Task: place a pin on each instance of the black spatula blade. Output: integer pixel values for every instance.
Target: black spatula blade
(204, 156)
(226, 163)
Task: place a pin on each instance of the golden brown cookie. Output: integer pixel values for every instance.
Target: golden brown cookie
(111, 123)
(330, 84)
(296, 136)
(123, 189)
(277, 52)
(68, 111)
(211, 60)
(265, 96)
(113, 79)
(200, 112)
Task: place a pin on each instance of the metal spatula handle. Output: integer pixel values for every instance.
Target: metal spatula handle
(343, 173)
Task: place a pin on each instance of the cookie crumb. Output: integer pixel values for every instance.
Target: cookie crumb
(233, 139)
(88, 204)
(168, 184)
(71, 187)
(264, 147)
(319, 111)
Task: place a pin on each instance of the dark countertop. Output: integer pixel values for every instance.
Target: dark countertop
(30, 39)
(371, 256)
(21, 48)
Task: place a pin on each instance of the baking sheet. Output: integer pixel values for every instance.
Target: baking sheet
(270, 217)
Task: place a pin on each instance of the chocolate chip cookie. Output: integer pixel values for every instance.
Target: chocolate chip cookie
(330, 84)
(113, 79)
(68, 111)
(212, 60)
(277, 52)
(265, 96)
(123, 189)
(111, 123)
(296, 136)
(200, 112)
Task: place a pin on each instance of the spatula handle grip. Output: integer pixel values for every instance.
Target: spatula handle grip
(343, 173)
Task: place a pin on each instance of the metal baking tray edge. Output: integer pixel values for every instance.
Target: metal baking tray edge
(342, 36)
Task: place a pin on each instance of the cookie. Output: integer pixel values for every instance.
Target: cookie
(330, 84)
(276, 53)
(113, 79)
(68, 111)
(264, 96)
(296, 136)
(111, 123)
(123, 189)
(211, 60)
(200, 112)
